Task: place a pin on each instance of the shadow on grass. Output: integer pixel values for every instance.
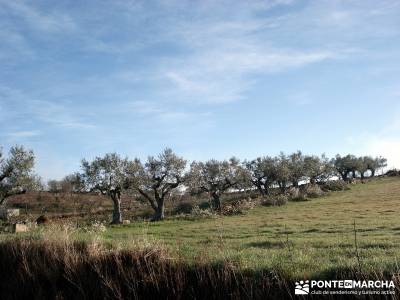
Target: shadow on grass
(377, 246)
(268, 245)
(300, 199)
(311, 230)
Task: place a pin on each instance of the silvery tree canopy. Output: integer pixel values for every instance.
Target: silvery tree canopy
(157, 178)
(262, 173)
(107, 175)
(16, 173)
(217, 177)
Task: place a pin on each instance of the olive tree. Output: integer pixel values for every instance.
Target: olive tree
(16, 173)
(377, 164)
(262, 173)
(215, 178)
(296, 168)
(54, 186)
(72, 183)
(345, 165)
(363, 165)
(355, 165)
(282, 171)
(156, 179)
(368, 163)
(318, 169)
(107, 175)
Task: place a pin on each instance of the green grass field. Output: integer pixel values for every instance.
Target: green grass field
(308, 239)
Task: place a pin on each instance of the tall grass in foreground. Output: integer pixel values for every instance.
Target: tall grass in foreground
(32, 269)
(48, 269)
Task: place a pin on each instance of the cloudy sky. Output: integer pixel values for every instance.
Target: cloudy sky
(210, 79)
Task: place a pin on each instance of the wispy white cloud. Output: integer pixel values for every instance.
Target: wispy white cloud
(75, 69)
(24, 134)
(301, 98)
(186, 84)
(48, 22)
(14, 45)
(223, 55)
(145, 107)
(223, 74)
(19, 107)
(21, 21)
(218, 53)
(159, 112)
(58, 114)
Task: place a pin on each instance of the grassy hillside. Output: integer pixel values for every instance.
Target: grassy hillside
(309, 239)
(258, 255)
(313, 238)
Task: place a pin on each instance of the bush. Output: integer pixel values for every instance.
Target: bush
(393, 173)
(294, 194)
(231, 210)
(146, 213)
(276, 200)
(198, 212)
(204, 205)
(183, 208)
(300, 197)
(42, 220)
(336, 185)
(239, 206)
(313, 191)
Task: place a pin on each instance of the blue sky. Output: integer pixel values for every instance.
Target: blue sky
(210, 79)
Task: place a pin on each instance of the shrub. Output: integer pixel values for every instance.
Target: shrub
(336, 185)
(146, 213)
(300, 197)
(42, 220)
(230, 210)
(96, 227)
(239, 206)
(204, 205)
(293, 193)
(393, 173)
(276, 200)
(183, 208)
(313, 191)
(198, 212)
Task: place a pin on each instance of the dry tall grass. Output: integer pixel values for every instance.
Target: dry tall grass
(46, 269)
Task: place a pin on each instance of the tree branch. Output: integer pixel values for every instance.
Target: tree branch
(6, 173)
(151, 200)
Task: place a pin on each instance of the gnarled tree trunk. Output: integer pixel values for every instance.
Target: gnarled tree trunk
(266, 189)
(158, 206)
(345, 175)
(116, 216)
(282, 186)
(216, 202)
(159, 214)
(260, 188)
